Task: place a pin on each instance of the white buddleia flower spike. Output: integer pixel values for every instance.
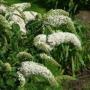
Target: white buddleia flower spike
(3, 8)
(63, 37)
(54, 12)
(15, 17)
(18, 20)
(49, 59)
(70, 37)
(40, 38)
(56, 39)
(59, 18)
(21, 78)
(20, 6)
(56, 21)
(29, 68)
(40, 43)
(20, 17)
(29, 15)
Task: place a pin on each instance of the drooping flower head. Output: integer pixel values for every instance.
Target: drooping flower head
(40, 43)
(56, 39)
(63, 37)
(29, 16)
(29, 68)
(3, 8)
(16, 14)
(59, 19)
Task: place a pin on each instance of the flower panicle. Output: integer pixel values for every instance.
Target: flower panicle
(63, 37)
(40, 43)
(59, 18)
(29, 68)
(56, 39)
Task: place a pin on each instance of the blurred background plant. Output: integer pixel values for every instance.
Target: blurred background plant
(72, 6)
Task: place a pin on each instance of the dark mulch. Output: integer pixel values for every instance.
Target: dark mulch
(83, 82)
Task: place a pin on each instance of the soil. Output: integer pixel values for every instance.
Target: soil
(83, 82)
(84, 16)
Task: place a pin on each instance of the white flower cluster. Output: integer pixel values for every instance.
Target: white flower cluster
(63, 37)
(54, 12)
(15, 18)
(2, 8)
(21, 78)
(59, 18)
(29, 68)
(40, 42)
(19, 16)
(16, 14)
(72, 38)
(29, 15)
(56, 39)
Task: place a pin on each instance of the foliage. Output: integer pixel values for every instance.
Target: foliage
(72, 6)
(21, 60)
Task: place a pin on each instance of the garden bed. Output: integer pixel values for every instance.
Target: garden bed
(83, 82)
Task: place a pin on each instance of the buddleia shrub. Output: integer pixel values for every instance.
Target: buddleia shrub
(44, 54)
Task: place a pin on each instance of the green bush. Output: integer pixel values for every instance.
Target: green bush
(48, 64)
